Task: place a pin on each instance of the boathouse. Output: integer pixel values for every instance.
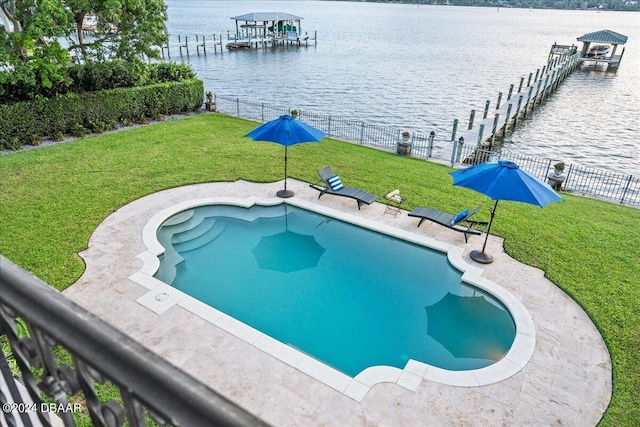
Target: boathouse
(604, 48)
(267, 28)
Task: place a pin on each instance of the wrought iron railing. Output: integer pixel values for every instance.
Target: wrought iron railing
(594, 182)
(623, 188)
(149, 386)
(357, 131)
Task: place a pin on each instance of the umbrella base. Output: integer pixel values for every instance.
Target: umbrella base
(285, 194)
(481, 257)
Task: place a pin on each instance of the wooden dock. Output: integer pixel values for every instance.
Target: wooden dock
(562, 60)
(185, 46)
(518, 104)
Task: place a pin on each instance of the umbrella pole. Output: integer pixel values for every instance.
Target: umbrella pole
(285, 193)
(481, 256)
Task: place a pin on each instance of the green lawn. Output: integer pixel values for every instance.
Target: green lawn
(51, 200)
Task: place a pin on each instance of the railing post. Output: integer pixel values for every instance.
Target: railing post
(238, 107)
(473, 114)
(362, 133)
(329, 130)
(432, 135)
(626, 188)
(459, 151)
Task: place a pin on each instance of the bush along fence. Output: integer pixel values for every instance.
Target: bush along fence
(598, 183)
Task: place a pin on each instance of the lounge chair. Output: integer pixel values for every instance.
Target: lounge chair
(460, 222)
(332, 185)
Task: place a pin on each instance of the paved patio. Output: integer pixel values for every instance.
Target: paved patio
(567, 380)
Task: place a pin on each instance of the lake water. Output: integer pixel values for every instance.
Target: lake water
(419, 67)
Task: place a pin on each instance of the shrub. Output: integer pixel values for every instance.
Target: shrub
(98, 111)
(57, 136)
(78, 130)
(34, 139)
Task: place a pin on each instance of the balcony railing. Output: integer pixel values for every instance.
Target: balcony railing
(150, 387)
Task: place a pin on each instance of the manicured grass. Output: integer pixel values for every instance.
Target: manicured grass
(51, 200)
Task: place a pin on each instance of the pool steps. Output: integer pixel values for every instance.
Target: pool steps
(207, 232)
(190, 230)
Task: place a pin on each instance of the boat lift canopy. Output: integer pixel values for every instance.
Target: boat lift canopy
(604, 37)
(267, 24)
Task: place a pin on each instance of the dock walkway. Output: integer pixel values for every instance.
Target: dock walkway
(517, 105)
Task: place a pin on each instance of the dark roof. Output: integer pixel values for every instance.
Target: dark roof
(604, 36)
(266, 16)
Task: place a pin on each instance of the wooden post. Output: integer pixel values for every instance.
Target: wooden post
(506, 121)
(527, 104)
(486, 110)
(515, 117)
(510, 91)
(494, 130)
(499, 99)
(521, 83)
(473, 114)
(455, 129)
(480, 132)
(536, 78)
(529, 81)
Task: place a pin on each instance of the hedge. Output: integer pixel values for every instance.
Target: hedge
(97, 111)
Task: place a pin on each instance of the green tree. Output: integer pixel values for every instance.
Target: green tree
(127, 29)
(30, 54)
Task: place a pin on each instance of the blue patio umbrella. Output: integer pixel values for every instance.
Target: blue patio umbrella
(286, 130)
(503, 181)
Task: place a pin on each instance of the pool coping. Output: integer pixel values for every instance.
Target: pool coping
(162, 297)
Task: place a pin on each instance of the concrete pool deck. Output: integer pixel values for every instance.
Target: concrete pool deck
(567, 380)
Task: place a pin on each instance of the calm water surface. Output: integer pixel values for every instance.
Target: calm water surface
(420, 67)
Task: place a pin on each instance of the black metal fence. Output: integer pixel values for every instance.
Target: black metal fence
(383, 137)
(579, 179)
(40, 324)
(622, 188)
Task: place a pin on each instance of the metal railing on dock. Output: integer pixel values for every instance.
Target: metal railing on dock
(622, 188)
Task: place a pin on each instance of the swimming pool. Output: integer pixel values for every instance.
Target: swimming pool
(161, 298)
(348, 296)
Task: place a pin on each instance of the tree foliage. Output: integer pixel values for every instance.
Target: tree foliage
(42, 36)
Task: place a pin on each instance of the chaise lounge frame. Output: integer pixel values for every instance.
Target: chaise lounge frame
(360, 196)
(465, 225)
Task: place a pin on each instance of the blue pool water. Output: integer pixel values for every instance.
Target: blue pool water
(348, 296)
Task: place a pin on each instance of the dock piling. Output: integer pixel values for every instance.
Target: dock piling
(539, 86)
(455, 129)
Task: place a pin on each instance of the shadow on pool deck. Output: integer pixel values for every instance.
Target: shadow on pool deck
(566, 382)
